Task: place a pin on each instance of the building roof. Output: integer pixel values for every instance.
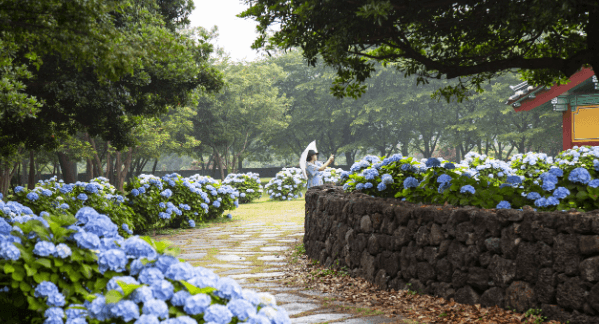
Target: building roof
(527, 97)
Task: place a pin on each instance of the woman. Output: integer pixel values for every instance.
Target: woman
(314, 168)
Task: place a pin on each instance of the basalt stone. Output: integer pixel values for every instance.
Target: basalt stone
(389, 261)
(571, 294)
(377, 220)
(367, 263)
(582, 224)
(485, 259)
(544, 255)
(589, 269)
(492, 223)
(589, 244)
(388, 226)
(593, 298)
(354, 258)
(444, 290)
(492, 297)
(430, 254)
(422, 236)
(436, 235)
(441, 218)
(595, 224)
(444, 270)
(402, 215)
(493, 244)
(397, 283)
(467, 295)
(510, 240)
(546, 286)
(503, 271)
(417, 286)
(520, 296)
(425, 271)
(557, 313)
(374, 247)
(478, 278)
(457, 255)
(464, 231)
(381, 279)
(526, 263)
(542, 233)
(366, 224)
(444, 248)
(459, 279)
(401, 237)
(506, 216)
(424, 215)
(565, 251)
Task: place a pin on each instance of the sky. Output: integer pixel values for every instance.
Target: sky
(236, 35)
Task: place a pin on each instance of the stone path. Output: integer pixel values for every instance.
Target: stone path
(252, 254)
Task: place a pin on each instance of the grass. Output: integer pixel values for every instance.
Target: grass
(264, 181)
(271, 212)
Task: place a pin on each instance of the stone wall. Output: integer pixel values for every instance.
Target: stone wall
(514, 259)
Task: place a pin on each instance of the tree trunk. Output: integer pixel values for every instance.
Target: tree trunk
(109, 167)
(121, 170)
(5, 175)
(154, 166)
(220, 164)
(240, 166)
(31, 179)
(24, 173)
(349, 159)
(89, 170)
(96, 164)
(66, 167)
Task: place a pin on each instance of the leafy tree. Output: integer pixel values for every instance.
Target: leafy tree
(248, 107)
(472, 40)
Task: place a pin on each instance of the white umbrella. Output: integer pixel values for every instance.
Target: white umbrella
(311, 146)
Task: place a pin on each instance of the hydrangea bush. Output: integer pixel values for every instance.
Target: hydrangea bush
(60, 268)
(52, 195)
(175, 201)
(331, 175)
(248, 185)
(288, 184)
(571, 181)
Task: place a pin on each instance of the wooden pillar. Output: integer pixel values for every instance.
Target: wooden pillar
(567, 129)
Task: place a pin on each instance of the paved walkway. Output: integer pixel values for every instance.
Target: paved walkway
(252, 253)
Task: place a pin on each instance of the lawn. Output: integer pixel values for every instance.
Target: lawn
(271, 211)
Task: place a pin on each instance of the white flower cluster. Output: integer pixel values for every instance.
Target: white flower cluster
(286, 185)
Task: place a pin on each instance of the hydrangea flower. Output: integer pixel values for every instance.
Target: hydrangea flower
(387, 179)
(32, 196)
(594, 183)
(381, 186)
(196, 304)
(410, 182)
(533, 195)
(149, 276)
(44, 248)
(134, 192)
(82, 197)
(241, 309)
(163, 289)
(167, 193)
(113, 259)
(126, 309)
(218, 314)
(503, 205)
(467, 189)
(156, 307)
(580, 175)
(561, 193)
(432, 163)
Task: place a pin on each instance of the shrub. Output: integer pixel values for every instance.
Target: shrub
(59, 266)
(52, 195)
(286, 185)
(569, 182)
(248, 185)
(176, 201)
(331, 175)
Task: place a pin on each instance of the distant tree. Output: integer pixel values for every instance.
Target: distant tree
(476, 40)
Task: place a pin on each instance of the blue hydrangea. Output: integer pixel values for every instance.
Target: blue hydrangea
(102, 226)
(432, 163)
(161, 205)
(19, 189)
(444, 178)
(9, 251)
(54, 312)
(47, 192)
(141, 190)
(228, 288)
(113, 284)
(410, 182)
(241, 309)
(149, 276)
(514, 179)
(449, 166)
(45, 289)
(87, 240)
(548, 186)
(136, 247)
(167, 193)
(370, 174)
(191, 223)
(76, 311)
(557, 172)
(163, 289)
(134, 192)
(56, 299)
(180, 271)
(32, 196)
(113, 259)
(156, 307)
(82, 197)
(179, 298)
(218, 314)
(142, 294)
(91, 188)
(360, 186)
(561, 193)
(148, 319)
(64, 206)
(197, 304)
(467, 189)
(541, 202)
(44, 248)
(258, 319)
(381, 186)
(368, 185)
(406, 167)
(387, 179)
(126, 309)
(5, 228)
(552, 201)
(594, 183)
(580, 175)
(503, 205)
(216, 203)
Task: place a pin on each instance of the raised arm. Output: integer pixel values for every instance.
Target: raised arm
(327, 163)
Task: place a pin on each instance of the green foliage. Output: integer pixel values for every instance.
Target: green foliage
(473, 40)
(248, 185)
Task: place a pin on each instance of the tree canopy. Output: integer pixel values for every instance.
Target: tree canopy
(473, 40)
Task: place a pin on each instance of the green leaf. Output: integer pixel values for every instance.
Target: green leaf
(25, 286)
(195, 290)
(30, 271)
(58, 262)
(582, 195)
(34, 304)
(44, 262)
(128, 288)
(8, 268)
(113, 296)
(18, 275)
(86, 270)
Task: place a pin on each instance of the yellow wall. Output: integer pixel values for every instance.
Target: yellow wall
(585, 123)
